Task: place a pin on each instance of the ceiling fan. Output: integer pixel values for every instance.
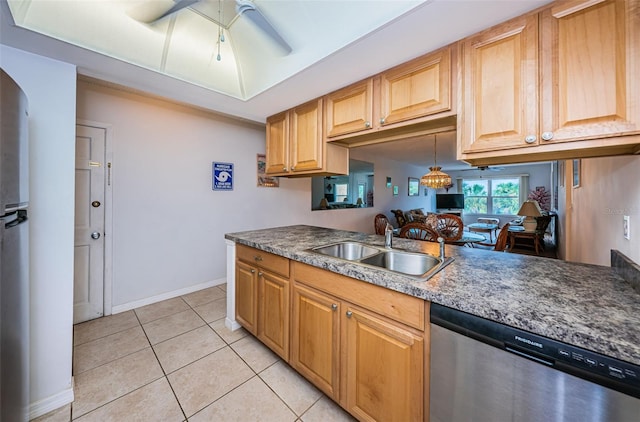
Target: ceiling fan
(484, 168)
(243, 8)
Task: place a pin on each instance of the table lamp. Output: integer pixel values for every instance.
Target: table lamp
(324, 204)
(359, 202)
(530, 209)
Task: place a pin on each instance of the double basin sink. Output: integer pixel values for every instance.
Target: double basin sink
(419, 265)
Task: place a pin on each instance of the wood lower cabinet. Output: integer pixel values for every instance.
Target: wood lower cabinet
(344, 341)
(315, 338)
(262, 297)
(247, 296)
(384, 368)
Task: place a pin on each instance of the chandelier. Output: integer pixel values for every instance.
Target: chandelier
(435, 178)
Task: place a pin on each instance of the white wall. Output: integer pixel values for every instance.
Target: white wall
(608, 190)
(50, 88)
(168, 224)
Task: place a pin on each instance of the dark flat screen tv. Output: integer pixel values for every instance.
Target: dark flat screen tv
(449, 201)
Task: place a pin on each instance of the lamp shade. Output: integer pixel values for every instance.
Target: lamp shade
(359, 202)
(530, 208)
(435, 178)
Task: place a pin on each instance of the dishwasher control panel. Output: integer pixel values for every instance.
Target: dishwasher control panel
(592, 366)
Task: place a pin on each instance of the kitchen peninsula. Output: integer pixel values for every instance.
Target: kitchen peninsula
(588, 306)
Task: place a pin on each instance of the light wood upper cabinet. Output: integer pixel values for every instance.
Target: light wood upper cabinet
(277, 148)
(417, 88)
(570, 89)
(296, 145)
(390, 104)
(500, 86)
(590, 69)
(350, 109)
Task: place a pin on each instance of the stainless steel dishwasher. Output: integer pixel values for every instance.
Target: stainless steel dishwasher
(488, 372)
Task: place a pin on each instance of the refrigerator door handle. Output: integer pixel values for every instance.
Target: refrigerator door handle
(20, 217)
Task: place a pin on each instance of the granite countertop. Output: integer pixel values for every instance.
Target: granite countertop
(588, 306)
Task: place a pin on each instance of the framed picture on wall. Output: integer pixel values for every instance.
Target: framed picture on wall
(414, 187)
(395, 190)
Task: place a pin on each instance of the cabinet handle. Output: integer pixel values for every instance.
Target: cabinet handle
(530, 139)
(334, 306)
(284, 169)
(367, 124)
(382, 120)
(258, 258)
(253, 271)
(547, 136)
(293, 168)
(349, 313)
(260, 273)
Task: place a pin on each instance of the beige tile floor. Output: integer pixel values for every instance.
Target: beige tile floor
(176, 361)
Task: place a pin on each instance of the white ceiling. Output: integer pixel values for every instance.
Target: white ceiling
(334, 42)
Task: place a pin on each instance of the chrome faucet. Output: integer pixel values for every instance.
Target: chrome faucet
(441, 241)
(388, 236)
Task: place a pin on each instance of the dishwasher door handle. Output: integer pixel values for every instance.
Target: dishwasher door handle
(525, 354)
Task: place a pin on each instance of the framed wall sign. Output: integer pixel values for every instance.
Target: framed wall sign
(263, 179)
(222, 178)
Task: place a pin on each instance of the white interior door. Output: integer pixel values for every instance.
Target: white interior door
(88, 291)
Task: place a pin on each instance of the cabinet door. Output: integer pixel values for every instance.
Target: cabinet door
(349, 109)
(417, 88)
(315, 339)
(591, 69)
(306, 142)
(273, 308)
(277, 148)
(247, 296)
(500, 87)
(384, 369)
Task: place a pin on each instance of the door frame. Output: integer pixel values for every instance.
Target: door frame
(108, 212)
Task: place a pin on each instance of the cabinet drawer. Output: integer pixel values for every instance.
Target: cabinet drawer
(274, 263)
(406, 309)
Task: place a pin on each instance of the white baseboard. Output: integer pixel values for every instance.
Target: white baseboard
(54, 402)
(164, 296)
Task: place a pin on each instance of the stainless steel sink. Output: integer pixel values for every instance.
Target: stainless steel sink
(404, 262)
(415, 264)
(351, 251)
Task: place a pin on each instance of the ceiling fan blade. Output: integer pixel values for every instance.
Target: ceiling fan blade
(179, 5)
(247, 8)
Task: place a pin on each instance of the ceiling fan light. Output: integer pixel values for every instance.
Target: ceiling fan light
(435, 178)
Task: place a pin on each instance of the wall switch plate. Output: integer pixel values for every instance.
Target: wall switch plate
(626, 227)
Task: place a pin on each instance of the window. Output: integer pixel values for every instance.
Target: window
(495, 196)
(341, 191)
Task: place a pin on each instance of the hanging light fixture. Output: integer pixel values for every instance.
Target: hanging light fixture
(435, 178)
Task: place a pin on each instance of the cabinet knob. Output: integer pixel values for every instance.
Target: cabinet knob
(382, 120)
(284, 169)
(367, 124)
(260, 273)
(257, 258)
(334, 306)
(530, 139)
(349, 313)
(293, 168)
(253, 271)
(547, 136)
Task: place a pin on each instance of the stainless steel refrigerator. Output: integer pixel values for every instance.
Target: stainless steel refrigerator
(14, 252)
